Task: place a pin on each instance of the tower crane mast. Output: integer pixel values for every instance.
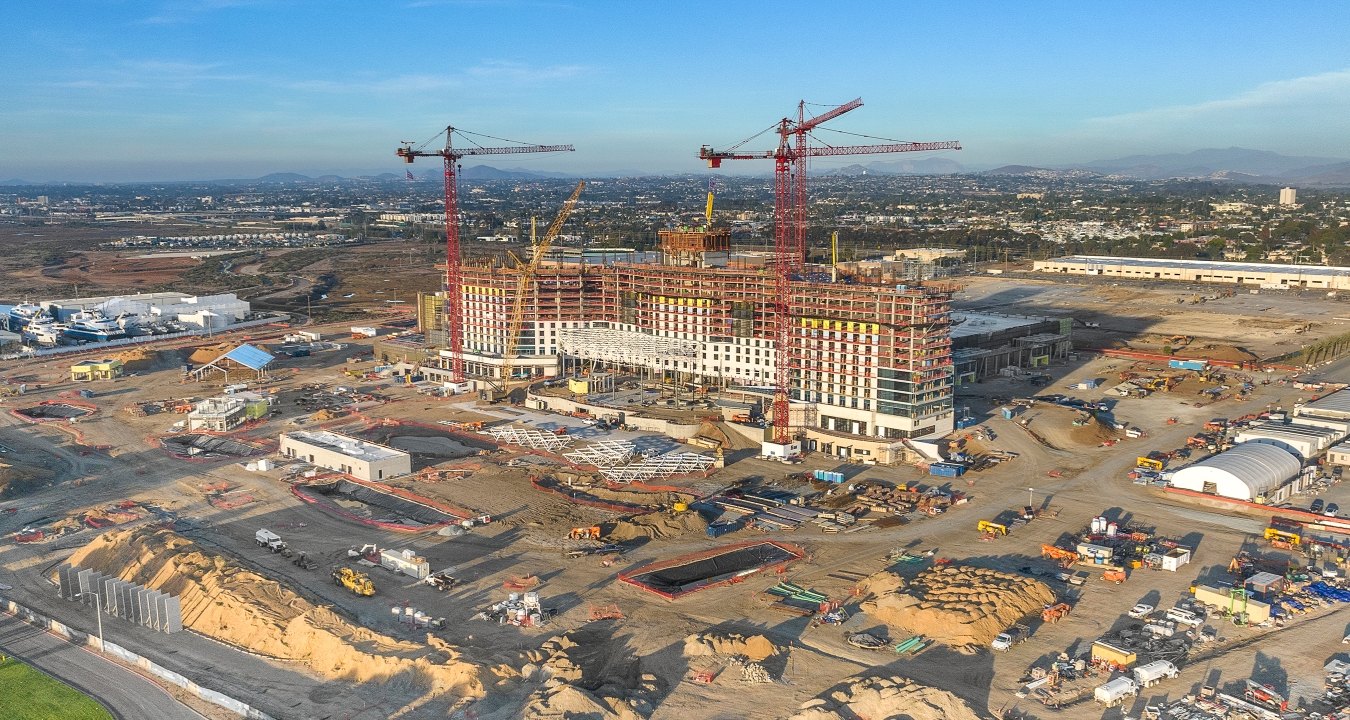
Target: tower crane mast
(789, 226)
(454, 291)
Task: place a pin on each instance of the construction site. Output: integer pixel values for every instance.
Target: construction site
(695, 488)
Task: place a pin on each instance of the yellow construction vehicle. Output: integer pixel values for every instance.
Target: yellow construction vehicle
(357, 582)
(1149, 463)
(991, 527)
(525, 273)
(1279, 537)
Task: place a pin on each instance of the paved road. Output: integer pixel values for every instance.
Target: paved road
(127, 695)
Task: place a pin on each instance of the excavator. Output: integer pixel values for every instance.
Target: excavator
(357, 582)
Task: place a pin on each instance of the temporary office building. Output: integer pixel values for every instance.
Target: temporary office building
(1245, 472)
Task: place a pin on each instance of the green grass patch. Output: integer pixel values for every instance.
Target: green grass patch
(28, 694)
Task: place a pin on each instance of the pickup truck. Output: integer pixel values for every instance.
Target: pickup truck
(1010, 637)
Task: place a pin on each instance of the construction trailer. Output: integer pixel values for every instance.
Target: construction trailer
(1233, 601)
(1112, 655)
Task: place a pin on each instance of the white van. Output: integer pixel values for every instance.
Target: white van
(1182, 616)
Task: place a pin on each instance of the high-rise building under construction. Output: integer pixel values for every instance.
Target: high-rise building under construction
(869, 359)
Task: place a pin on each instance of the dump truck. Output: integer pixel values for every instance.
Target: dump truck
(358, 582)
(270, 540)
(1010, 637)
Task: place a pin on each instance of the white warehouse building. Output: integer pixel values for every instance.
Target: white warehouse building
(345, 454)
(1305, 441)
(1250, 472)
(1264, 275)
(1332, 406)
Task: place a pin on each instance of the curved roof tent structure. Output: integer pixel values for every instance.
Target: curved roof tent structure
(1242, 473)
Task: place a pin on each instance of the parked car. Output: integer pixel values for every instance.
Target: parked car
(1332, 509)
(1140, 611)
(1316, 505)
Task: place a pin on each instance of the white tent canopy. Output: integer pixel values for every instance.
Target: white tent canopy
(1243, 473)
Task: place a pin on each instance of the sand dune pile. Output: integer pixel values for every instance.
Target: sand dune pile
(585, 678)
(638, 497)
(657, 525)
(887, 697)
(960, 606)
(137, 359)
(237, 606)
(755, 647)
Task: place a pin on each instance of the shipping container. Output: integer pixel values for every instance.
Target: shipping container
(946, 469)
(1187, 364)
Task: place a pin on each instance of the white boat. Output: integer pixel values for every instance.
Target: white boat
(22, 314)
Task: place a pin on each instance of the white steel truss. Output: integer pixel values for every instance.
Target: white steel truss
(530, 438)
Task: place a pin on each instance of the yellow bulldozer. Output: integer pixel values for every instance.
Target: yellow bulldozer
(357, 582)
(585, 533)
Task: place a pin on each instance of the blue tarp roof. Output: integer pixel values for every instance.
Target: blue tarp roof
(250, 357)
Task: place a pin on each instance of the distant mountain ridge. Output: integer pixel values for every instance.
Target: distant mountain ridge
(1233, 164)
(908, 166)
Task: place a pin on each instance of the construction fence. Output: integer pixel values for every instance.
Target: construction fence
(144, 664)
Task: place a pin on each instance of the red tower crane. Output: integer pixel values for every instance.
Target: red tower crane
(789, 222)
(454, 293)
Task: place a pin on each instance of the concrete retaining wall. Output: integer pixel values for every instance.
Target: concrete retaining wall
(679, 431)
(81, 638)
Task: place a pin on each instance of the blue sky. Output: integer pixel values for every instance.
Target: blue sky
(193, 89)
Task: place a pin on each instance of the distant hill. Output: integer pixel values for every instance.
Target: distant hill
(283, 178)
(1015, 170)
(1333, 174)
(16, 182)
(487, 172)
(1210, 162)
(916, 166)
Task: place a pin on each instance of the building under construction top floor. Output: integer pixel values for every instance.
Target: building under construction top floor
(869, 359)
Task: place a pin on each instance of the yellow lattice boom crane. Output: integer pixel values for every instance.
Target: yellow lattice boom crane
(525, 275)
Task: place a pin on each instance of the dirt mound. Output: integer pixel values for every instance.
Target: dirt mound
(237, 606)
(887, 697)
(203, 354)
(755, 647)
(137, 359)
(639, 497)
(585, 677)
(960, 606)
(657, 526)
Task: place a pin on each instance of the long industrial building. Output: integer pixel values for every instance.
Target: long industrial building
(1261, 275)
(871, 359)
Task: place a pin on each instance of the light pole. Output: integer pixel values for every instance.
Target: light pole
(1031, 496)
(98, 615)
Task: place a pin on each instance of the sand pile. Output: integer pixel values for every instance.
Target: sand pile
(237, 606)
(887, 697)
(585, 678)
(755, 647)
(136, 359)
(657, 525)
(963, 607)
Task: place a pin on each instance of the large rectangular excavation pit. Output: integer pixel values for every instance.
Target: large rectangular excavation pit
(380, 506)
(686, 574)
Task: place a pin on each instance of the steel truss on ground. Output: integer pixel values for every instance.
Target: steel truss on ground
(603, 453)
(530, 438)
(676, 463)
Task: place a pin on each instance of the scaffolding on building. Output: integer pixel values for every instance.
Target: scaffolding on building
(530, 438)
(603, 453)
(623, 347)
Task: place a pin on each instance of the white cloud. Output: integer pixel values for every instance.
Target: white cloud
(1307, 115)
